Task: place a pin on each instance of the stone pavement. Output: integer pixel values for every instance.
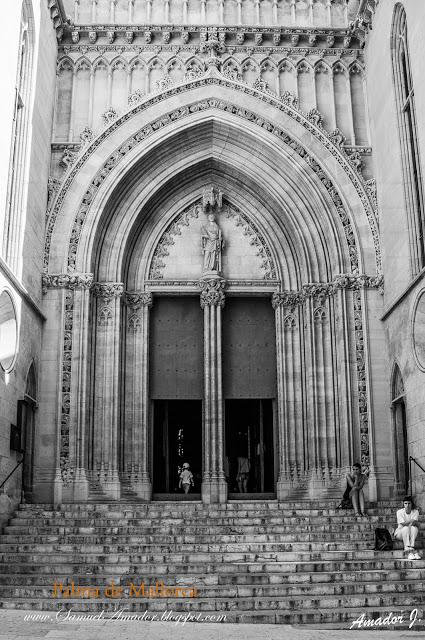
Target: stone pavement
(14, 625)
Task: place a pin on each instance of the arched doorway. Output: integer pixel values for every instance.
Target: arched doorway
(401, 452)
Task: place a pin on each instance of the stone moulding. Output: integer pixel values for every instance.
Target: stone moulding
(357, 180)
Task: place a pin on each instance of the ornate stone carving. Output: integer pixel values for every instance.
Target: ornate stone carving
(240, 37)
(185, 37)
(289, 99)
(148, 37)
(65, 462)
(135, 97)
(58, 17)
(75, 37)
(137, 300)
(107, 290)
(315, 117)
(323, 290)
(109, 116)
(212, 292)
(92, 37)
(338, 138)
(86, 136)
(53, 186)
(110, 36)
(373, 195)
(68, 159)
(129, 36)
(212, 199)
(256, 239)
(66, 281)
(289, 299)
(361, 378)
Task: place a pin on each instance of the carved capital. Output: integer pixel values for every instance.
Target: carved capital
(319, 289)
(66, 281)
(212, 292)
(288, 299)
(106, 291)
(136, 300)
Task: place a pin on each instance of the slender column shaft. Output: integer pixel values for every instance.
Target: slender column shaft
(214, 488)
(137, 397)
(107, 384)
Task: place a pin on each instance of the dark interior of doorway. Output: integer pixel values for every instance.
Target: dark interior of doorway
(249, 434)
(177, 438)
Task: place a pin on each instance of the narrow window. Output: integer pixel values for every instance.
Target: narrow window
(412, 176)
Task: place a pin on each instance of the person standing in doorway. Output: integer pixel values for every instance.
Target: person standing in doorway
(186, 478)
(243, 474)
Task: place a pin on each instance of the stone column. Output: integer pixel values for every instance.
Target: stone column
(290, 428)
(214, 486)
(80, 365)
(106, 385)
(137, 394)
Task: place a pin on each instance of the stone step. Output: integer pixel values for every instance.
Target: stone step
(111, 566)
(214, 557)
(253, 505)
(335, 618)
(211, 547)
(141, 529)
(239, 604)
(132, 588)
(205, 579)
(274, 517)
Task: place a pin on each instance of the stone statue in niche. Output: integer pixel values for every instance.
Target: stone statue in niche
(212, 245)
(211, 236)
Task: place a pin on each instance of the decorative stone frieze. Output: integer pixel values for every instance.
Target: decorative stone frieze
(322, 290)
(66, 281)
(212, 292)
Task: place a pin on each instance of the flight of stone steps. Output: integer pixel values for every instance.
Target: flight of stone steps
(268, 562)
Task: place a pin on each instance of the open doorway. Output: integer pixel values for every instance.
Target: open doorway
(249, 437)
(177, 438)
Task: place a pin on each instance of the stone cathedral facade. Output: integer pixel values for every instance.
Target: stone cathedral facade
(212, 247)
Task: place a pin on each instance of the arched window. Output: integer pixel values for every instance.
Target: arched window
(26, 420)
(19, 148)
(412, 175)
(401, 455)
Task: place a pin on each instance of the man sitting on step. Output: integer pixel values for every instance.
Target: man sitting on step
(407, 527)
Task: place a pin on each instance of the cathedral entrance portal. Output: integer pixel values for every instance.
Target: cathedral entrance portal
(249, 446)
(177, 438)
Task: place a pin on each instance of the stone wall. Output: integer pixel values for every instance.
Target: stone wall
(402, 285)
(301, 13)
(23, 225)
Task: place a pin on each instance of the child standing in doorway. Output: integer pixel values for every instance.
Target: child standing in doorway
(186, 478)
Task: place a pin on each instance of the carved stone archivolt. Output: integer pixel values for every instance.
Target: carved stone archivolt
(334, 148)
